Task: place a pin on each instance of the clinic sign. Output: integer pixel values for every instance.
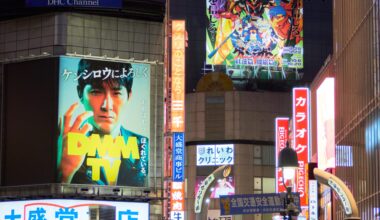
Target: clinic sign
(178, 156)
(178, 76)
(282, 125)
(75, 3)
(215, 155)
(61, 209)
(301, 130)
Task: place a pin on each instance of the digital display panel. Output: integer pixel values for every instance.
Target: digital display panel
(104, 122)
(256, 33)
(215, 155)
(75, 3)
(73, 209)
(326, 124)
(223, 187)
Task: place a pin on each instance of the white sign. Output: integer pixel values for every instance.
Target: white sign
(62, 209)
(342, 195)
(201, 193)
(313, 200)
(215, 155)
(177, 215)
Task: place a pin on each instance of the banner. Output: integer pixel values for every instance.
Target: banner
(104, 122)
(260, 33)
(62, 209)
(301, 134)
(75, 3)
(282, 126)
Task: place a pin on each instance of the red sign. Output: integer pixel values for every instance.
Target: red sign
(301, 109)
(282, 125)
(177, 196)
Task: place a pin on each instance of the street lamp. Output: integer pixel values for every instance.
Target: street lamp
(288, 162)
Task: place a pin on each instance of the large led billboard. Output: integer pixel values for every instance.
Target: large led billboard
(104, 122)
(73, 209)
(256, 33)
(325, 124)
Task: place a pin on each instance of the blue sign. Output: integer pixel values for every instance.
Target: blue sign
(75, 3)
(178, 156)
(255, 203)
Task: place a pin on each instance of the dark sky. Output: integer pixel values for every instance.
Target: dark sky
(317, 37)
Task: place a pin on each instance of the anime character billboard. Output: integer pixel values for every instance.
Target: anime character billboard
(104, 122)
(255, 32)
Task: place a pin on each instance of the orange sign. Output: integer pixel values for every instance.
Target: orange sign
(177, 196)
(178, 76)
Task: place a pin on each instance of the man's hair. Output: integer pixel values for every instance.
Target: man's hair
(95, 73)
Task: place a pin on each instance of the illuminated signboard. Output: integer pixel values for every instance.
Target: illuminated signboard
(73, 209)
(178, 156)
(282, 125)
(301, 109)
(104, 129)
(177, 197)
(325, 124)
(264, 33)
(178, 76)
(75, 3)
(215, 155)
(223, 187)
(200, 194)
(313, 200)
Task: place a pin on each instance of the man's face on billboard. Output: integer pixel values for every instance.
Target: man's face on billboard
(106, 101)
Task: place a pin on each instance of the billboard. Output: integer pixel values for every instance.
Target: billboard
(73, 209)
(178, 156)
(104, 122)
(215, 155)
(325, 124)
(281, 125)
(259, 33)
(301, 131)
(223, 187)
(75, 3)
(178, 76)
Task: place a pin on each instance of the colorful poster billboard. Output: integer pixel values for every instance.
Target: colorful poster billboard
(178, 156)
(326, 124)
(215, 155)
(259, 33)
(73, 209)
(75, 3)
(223, 187)
(104, 122)
(281, 125)
(301, 132)
(178, 76)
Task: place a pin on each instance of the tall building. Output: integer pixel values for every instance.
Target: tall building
(44, 47)
(355, 66)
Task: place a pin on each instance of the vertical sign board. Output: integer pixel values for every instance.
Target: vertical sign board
(178, 156)
(301, 109)
(177, 200)
(282, 125)
(178, 76)
(313, 200)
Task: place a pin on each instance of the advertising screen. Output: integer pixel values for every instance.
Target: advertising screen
(104, 122)
(325, 124)
(260, 33)
(75, 3)
(215, 155)
(223, 187)
(73, 209)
